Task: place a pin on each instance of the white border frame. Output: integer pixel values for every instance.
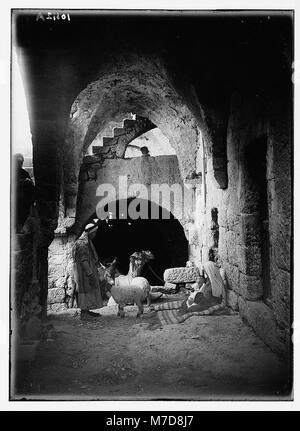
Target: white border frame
(188, 406)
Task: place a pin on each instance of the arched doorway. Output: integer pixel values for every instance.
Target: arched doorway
(164, 237)
(143, 88)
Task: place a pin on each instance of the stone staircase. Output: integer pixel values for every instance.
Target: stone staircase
(115, 146)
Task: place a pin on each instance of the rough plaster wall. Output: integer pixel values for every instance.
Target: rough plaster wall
(134, 84)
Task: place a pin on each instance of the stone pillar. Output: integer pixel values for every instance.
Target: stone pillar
(48, 112)
(21, 270)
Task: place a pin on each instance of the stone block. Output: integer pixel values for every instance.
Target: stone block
(280, 284)
(261, 318)
(181, 275)
(232, 274)
(280, 242)
(170, 286)
(222, 245)
(222, 218)
(232, 299)
(90, 159)
(233, 221)
(281, 296)
(58, 260)
(56, 295)
(58, 245)
(282, 313)
(231, 247)
(251, 287)
(249, 199)
(250, 229)
(249, 260)
(59, 307)
(57, 282)
(60, 282)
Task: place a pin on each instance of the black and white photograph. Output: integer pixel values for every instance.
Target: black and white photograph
(151, 232)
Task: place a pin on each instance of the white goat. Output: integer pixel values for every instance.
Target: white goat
(131, 294)
(136, 262)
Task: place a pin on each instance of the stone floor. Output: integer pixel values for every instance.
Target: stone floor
(204, 358)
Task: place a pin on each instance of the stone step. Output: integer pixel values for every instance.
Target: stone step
(108, 141)
(91, 158)
(97, 149)
(119, 131)
(129, 123)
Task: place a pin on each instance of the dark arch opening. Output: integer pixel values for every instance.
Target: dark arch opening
(164, 237)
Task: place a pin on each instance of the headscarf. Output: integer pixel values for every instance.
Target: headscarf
(90, 227)
(84, 240)
(213, 273)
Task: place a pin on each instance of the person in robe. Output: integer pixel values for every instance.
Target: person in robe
(208, 297)
(212, 291)
(24, 193)
(85, 274)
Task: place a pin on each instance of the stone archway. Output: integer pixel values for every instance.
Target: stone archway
(133, 84)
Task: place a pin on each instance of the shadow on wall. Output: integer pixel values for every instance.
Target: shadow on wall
(256, 170)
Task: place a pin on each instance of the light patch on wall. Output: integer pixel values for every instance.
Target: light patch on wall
(21, 136)
(158, 145)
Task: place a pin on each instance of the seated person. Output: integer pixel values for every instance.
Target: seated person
(208, 292)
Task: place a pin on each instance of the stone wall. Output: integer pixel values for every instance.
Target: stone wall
(141, 170)
(60, 267)
(240, 250)
(22, 261)
(26, 301)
